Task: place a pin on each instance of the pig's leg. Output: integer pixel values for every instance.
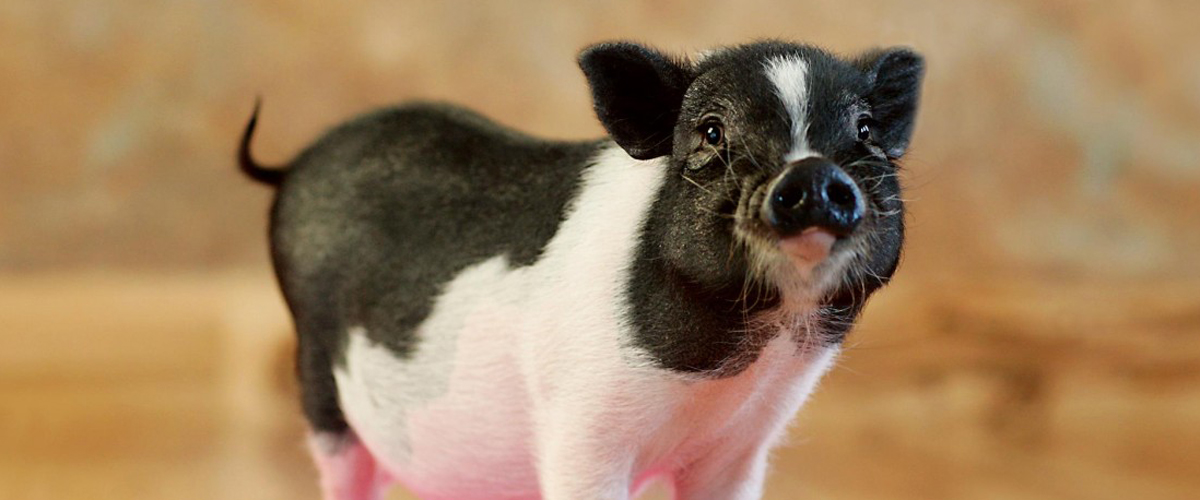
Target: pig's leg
(347, 469)
(573, 465)
(736, 477)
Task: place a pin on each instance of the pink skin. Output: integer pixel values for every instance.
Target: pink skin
(641, 484)
(808, 248)
(347, 470)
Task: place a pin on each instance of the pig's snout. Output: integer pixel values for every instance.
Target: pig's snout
(813, 193)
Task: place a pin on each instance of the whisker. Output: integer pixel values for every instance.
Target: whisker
(697, 184)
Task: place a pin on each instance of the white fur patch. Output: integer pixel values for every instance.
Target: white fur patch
(789, 75)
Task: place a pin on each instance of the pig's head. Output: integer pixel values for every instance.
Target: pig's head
(783, 190)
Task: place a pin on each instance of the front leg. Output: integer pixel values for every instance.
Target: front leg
(574, 464)
(347, 469)
(724, 477)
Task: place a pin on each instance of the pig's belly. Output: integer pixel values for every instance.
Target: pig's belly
(452, 421)
(473, 452)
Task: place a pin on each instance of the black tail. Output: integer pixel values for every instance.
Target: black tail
(251, 168)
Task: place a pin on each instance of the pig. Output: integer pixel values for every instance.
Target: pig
(484, 314)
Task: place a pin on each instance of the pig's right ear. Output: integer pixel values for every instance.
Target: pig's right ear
(637, 92)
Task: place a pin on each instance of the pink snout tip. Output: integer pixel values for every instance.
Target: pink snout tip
(808, 248)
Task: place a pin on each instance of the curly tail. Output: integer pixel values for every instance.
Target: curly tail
(250, 167)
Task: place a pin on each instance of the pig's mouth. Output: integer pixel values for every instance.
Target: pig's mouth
(805, 266)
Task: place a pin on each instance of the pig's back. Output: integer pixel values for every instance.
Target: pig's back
(374, 218)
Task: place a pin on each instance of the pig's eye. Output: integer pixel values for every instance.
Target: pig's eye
(713, 134)
(864, 128)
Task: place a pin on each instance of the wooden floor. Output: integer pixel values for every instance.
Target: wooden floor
(157, 386)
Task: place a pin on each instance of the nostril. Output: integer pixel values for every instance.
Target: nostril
(791, 196)
(841, 195)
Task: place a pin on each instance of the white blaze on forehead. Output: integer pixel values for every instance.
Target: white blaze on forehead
(789, 76)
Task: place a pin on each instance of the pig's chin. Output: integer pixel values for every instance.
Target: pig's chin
(803, 267)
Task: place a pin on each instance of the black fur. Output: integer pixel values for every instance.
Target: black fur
(378, 215)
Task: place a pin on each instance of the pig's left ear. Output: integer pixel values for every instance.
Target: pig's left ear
(637, 92)
(895, 78)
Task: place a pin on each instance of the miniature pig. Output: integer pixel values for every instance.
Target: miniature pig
(483, 314)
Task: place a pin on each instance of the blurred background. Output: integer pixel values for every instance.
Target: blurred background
(1041, 339)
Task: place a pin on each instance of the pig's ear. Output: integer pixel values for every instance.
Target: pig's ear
(895, 88)
(637, 92)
